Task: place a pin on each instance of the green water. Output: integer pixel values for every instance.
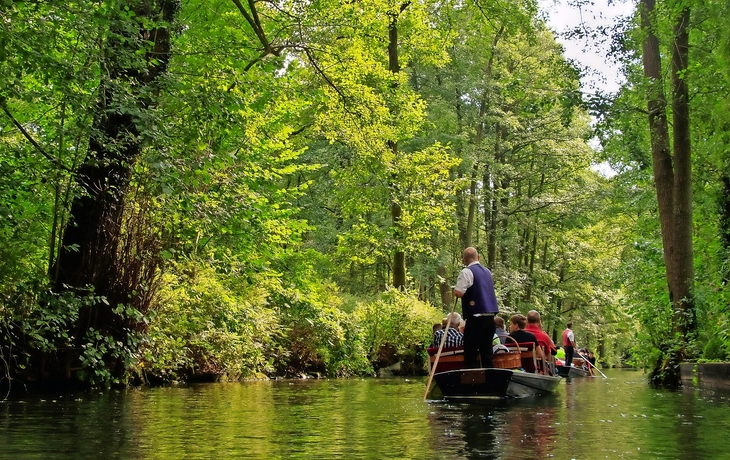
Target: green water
(618, 417)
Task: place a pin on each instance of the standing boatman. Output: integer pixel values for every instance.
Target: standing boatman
(569, 344)
(475, 287)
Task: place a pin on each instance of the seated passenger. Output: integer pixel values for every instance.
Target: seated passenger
(438, 332)
(454, 338)
(517, 325)
(534, 326)
(501, 333)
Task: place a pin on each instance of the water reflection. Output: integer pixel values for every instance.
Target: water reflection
(618, 417)
(504, 429)
(464, 429)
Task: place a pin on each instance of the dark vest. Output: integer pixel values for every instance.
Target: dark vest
(480, 297)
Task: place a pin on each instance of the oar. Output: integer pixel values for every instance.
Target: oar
(591, 365)
(438, 353)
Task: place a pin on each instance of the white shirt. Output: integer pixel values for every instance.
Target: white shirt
(465, 279)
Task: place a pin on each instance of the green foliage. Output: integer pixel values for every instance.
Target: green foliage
(40, 321)
(34, 318)
(716, 349)
(396, 326)
(318, 337)
(271, 162)
(202, 326)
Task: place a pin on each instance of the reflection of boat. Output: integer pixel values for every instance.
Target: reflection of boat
(515, 376)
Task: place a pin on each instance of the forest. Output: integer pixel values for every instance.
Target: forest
(233, 189)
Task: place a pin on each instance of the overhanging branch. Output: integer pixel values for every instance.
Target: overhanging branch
(35, 144)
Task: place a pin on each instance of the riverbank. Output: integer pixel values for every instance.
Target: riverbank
(711, 376)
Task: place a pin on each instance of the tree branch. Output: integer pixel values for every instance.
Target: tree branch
(27, 135)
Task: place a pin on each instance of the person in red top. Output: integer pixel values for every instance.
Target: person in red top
(534, 325)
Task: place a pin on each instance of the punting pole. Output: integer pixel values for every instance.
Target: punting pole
(589, 363)
(438, 353)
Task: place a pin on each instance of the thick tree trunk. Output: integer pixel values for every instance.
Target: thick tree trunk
(672, 179)
(89, 256)
(682, 257)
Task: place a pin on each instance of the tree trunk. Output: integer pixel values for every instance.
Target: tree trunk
(444, 288)
(682, 257)
(672, 179)
(472, 208)
(480, 128)
(724, 205)
(89, 256)
(399, 257)
(492, 202)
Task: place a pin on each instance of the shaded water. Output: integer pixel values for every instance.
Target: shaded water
(618, 417)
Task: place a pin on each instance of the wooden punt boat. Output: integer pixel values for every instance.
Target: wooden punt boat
(578, 369)
(529, 384)
(515, 375)
(487, 383)
(572, 372)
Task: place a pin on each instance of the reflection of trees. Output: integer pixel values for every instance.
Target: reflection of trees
(532, 430)
(687, 432)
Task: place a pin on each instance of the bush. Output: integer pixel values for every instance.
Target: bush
(319, 338)
(397, 328)
(202, 327)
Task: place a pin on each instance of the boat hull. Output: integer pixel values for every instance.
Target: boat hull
(485, 383)
(572, 372)
(523, 384)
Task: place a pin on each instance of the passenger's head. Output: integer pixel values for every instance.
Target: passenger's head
(437, 327)
(499, 322)
(462, 325)
(516, 322)
(454, 319)
(470, 255)
(444, 322)
(570, 325)
(533, 317)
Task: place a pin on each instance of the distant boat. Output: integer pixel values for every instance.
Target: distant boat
(565, 371)
(515, 375)
(576, 370)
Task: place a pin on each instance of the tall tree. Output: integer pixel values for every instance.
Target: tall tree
(136, 55)
(672, 177)
(396, 212)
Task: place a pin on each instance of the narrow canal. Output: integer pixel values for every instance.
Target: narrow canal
(617, 417)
